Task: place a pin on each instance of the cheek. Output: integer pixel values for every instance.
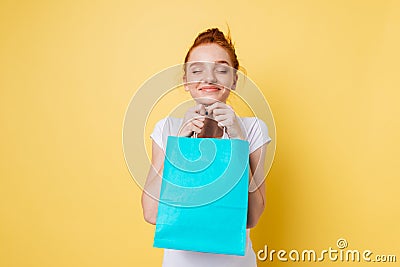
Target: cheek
(227, 80)
(190, 84)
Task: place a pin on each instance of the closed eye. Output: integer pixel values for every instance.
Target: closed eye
(222, 71)
(221, 68)
(196, 71)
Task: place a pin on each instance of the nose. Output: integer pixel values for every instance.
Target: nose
(210, 76)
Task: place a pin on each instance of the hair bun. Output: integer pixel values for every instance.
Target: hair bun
(215, 36)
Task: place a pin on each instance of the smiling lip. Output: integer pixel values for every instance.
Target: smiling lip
(209, 89)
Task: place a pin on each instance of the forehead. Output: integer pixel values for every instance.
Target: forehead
(210, 53)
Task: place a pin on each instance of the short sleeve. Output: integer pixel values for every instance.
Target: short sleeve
(157, 134)
(257, 134)
(164, 128)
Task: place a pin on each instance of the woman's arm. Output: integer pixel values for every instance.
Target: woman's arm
(256, 197)
(193, 122)
(151, 192)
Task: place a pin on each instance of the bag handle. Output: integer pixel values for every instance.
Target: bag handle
(223, 130)
(208, 127)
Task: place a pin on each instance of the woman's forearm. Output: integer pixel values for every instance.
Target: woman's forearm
(256, 206)
(150, 196)
(256, 196)
(151, 191)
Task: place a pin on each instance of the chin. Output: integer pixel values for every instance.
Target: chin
(207, 101)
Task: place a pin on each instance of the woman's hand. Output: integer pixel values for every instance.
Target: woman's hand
(226, 117)
(193, 121)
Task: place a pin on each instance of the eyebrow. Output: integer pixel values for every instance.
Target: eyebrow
(191, 64)
(222, 62)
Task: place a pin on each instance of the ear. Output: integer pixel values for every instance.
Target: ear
(185, 83)
(234, 81)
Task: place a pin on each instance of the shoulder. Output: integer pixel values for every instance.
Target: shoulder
(164, 128)
(256, 132)
(251, 120)
(168, 123)
(253, 124)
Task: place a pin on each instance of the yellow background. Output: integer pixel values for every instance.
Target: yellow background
(69, 69)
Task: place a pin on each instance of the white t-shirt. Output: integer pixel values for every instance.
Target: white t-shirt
(256, 133)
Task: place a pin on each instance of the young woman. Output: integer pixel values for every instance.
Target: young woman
(210, 73)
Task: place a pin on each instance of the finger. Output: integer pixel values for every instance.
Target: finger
(186, 129)
(221, 117)
(191, 127)
(198, 123)
(210, 108)
(220, 111)
(219, 108)
(225, 123)
(200, 109)
(198, 117)
(189, 117)
(195, 129)
(192, 114)
(220, 105)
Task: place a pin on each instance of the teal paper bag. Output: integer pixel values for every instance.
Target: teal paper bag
(204, 196)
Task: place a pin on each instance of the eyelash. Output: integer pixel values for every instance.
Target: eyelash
(219, 71)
